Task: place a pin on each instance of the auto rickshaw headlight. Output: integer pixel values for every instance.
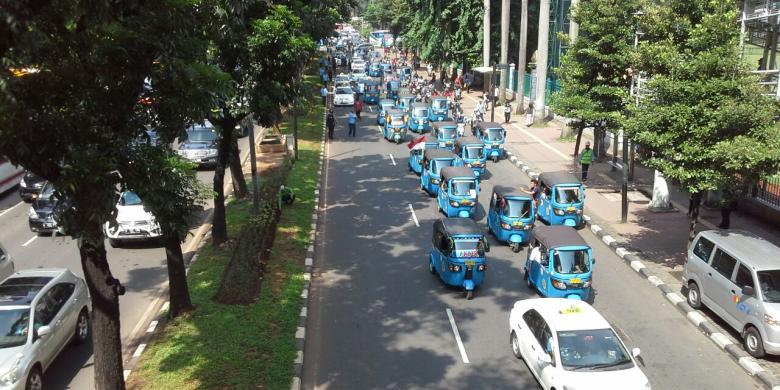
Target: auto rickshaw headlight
(505, 225)
(481, 267)
(587, 283)
(559, 284)
(453, 267)
(435, 181)
(559, 212)
(454, 203)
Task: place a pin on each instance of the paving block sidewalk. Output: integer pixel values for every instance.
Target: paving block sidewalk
(660, 238)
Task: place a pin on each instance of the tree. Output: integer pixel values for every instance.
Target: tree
(704, 119)
(70, 116)
(594, 72)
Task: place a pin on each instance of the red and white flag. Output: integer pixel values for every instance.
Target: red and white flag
(413, 144)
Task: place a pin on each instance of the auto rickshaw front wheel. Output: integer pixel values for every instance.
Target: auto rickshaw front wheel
(495, 159)
(431, 268)
(515, 246)
(469, 294)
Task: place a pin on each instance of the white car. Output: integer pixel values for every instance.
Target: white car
(133, 221)
(344, 96)
(6, 264)
(42, 311)
(358, 66)
(567, 344)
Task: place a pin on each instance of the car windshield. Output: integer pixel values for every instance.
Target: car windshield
(439, 104)
(592, 350)
(474, 152)
(464, 188)
(571, 261)
(516, 208)
(447, 132)
(769, 281)
(567, 194)
(14, 324)
(130, 198)
(47, 191)
(201, 136)
(494, 134)
(437, 165)
(344, 91)
(420, 112)
(469, 248)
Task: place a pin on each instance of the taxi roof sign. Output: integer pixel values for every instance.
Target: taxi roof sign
(573, 309)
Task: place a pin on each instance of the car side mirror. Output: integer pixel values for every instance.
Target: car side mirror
(545, 358)
(748, 290)
(43, 331)
(593, 260)
(635, 352)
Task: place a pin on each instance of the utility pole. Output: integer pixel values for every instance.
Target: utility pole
(624, 187)
(521, 63)
(492, 88)
(574, 27)
(253, 159)
(504, 49)
(541, 59)
(486, 33)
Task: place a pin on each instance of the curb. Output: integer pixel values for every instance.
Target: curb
(631, 259)
(300, 334)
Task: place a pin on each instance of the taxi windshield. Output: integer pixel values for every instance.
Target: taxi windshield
(439, 104)
(516, 208)
(447, 132)
(463, 187)
(592, 350)
(571, 261)
(344, 91)
(494, 134)
(567, 194)
(474, 152)
(769, 281)
(420, 111)
(437, 165)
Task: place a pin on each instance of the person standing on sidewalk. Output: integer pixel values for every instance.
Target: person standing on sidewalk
(330, 123)
(324, 94)
(529, 115)
(507, 112)
(358, 107)
(352, 121)
(586, 158)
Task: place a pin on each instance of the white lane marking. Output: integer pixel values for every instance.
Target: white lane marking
(152, 326)
(379, 129)
(30, 240)
(370, 108)
(11, 208)
(139, 350)
(126, 373)
(391, 158)
(457, 337)
(414, 216)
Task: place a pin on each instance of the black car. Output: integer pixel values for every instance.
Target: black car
(44, 207)
(200, 145)
(30, 186)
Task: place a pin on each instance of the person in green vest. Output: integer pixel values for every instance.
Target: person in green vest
(586, 158)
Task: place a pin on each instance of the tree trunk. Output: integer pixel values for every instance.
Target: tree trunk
(240, 189)
(219, 225)
(543, 39)
(521, 59)
(694, 214)
(104, 292)
(580, 129)
(178, 290)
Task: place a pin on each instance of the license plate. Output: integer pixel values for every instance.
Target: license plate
(570, 209)
(48, 225)
(517, 224)
(575, 280)
(442, 144)
(471, 263)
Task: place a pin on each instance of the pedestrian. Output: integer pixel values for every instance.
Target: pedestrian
(358, 107)
(324, 94)
(693, 202)
(429, 68)
(507, 111)
(330, 123)
(325, 78)
(352, 121)
(534, 191)
(468, 80)
(725, 213)
(586, 158)
(529, 115)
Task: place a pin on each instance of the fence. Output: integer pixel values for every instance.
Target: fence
(768, 191)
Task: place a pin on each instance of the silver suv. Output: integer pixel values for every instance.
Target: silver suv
(41, 312)
(737, 275)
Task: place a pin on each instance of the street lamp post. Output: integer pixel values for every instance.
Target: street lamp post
(491, 91)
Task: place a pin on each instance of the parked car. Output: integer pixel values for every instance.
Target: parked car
(41, 216)
(41, 311)
(6, 264)
(568, 345)
(737, 275)
(344, 96)
(30, 186)
(200, 145)
(133, 222)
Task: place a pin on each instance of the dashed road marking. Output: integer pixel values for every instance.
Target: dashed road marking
(11, 208)
(28, 242)
(392, 159)
(414, 216)
(457, 337)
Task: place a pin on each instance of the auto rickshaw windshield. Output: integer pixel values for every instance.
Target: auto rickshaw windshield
(421, 112)
(464, 187)
(437, 165)
(494, 134)
(447, 132)
(567, 194)
(516, 208)
(439, 104)
(469, 248)
(571, 261)
(474, 152)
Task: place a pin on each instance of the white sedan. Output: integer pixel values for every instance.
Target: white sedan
(344, 96)
(568, 345)
(133, 222)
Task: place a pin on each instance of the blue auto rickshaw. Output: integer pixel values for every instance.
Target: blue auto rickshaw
(405, 100)
(458, 192)
(371, 92)
(381, 111)
(440, 108)
(561, 200)
(471, 153)
(418, 118)
(375, 70)
(392, 89)
(511, 216)
(559, 263)
(405, 74)
(493, 137)
(458, 254)
(416, 156)
(445, 133)
(387, 69)
(433, 161)
(395, 126)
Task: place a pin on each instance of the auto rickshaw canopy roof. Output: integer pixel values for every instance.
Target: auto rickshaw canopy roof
(558, 178)
(557, 236)
(504, 191)
(389, 102)
(419, 105)
(439, 125)
(395, 112)
(468, 140)
(456, 172)
(457, 227)
(488, 125)
(431, 154)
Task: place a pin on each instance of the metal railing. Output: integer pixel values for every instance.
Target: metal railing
(757, 9)
(770, 81)
(768, 191)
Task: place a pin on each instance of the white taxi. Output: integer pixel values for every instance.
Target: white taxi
(568, 345)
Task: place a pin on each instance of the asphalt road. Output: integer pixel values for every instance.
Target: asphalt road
(139, 266)
(378, 319)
